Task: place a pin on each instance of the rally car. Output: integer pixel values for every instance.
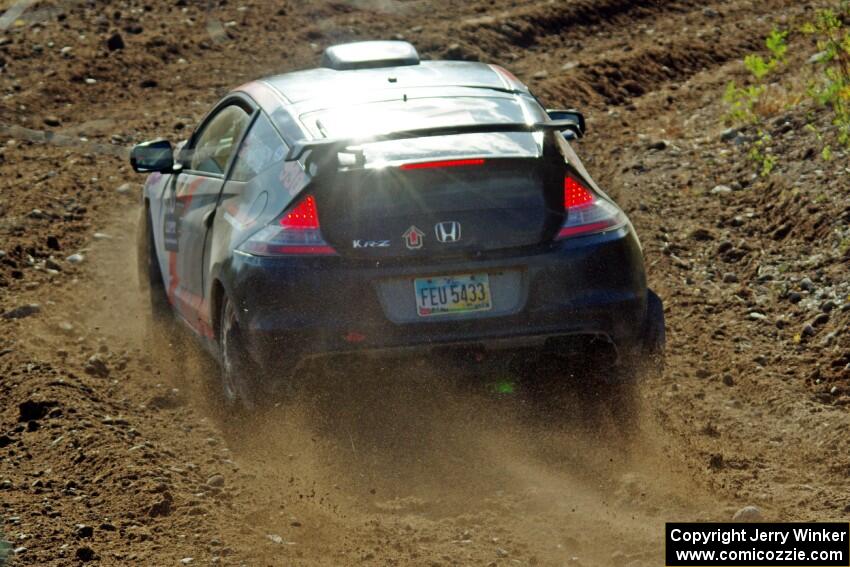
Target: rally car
(383, 203)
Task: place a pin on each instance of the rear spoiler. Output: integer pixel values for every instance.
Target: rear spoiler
(325, 146)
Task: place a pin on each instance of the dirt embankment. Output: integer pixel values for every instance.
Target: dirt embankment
(113, 452)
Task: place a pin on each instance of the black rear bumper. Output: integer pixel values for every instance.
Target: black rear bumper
(292, 308)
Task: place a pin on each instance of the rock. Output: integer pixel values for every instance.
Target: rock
(747, 514)
(32, 410)
(795, 297)
(828, 306)
(701, 234)
(22, 311)
(101, 236)
(724, 247)
(807, 330)
(161, 507)
(52, 121)
(820, 320)
(730, 277)
(729, 134)
(710, 13)
(216, 481)
(170, 400)
(109, 420)
(275, 538)
(721, 190)
(75, 258)
(149, 84)
(19, 550)
(52, 264)
(85, 553)
(781, 232)
(715, 462)
(817, 57)
(124, 189)
(501, 552)
(756, 316)
(702, 373)
(540, 75)
(107, 527)
(659, 145)
(187, 560)
(807, 284)
(96, 366)
(115, 42)
(83, 531)
(728, 380)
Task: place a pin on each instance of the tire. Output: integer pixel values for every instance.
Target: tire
(655, 337)
(239, 374)
(150, 276)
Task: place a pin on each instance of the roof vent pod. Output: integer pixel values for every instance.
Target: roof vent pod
(369, 55)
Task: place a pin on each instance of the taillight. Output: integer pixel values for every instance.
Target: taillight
(303, 216)
(296, 232)
(587, 213)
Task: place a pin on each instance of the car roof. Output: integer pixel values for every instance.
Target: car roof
(299, 92)
(326, 83)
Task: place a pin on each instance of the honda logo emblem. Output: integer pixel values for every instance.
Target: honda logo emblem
(448, 232)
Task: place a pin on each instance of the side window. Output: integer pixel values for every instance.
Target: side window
(218, 139)
(262, 148)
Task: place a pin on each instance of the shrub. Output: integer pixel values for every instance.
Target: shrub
(831, 87)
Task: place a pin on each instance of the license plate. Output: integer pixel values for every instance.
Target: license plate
(444, 295)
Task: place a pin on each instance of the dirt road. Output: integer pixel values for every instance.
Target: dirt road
(113, 449)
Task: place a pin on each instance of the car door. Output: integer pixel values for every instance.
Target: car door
(192, 203)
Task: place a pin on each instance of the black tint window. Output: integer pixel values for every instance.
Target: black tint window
(217, 140)
(262, 148)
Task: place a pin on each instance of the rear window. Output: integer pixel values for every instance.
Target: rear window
(412, 114)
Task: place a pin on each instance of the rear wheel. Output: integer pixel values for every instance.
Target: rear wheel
(239, 374)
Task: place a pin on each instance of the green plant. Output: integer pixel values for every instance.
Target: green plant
(744, 100)
(832, 86)
(761, 154)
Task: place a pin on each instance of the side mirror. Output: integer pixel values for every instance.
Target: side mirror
(156, 155)
(573, 119)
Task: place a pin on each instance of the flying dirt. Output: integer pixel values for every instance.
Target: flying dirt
(115, 448)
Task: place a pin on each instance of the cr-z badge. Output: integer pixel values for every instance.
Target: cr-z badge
(370, 243)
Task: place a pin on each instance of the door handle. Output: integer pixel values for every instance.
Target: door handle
(208, 218)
